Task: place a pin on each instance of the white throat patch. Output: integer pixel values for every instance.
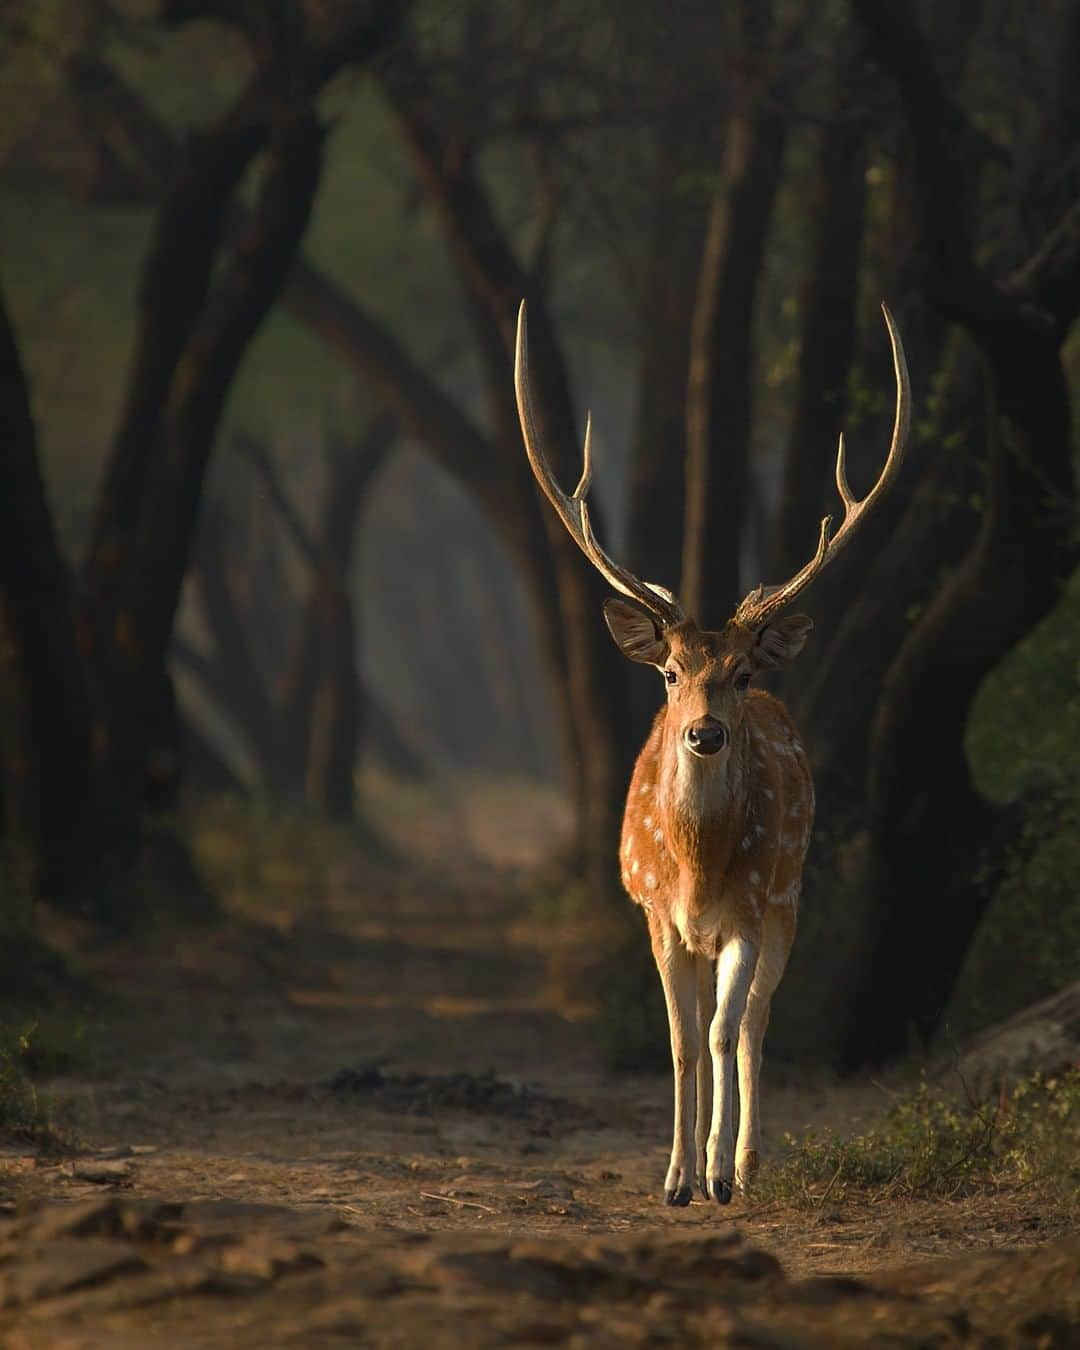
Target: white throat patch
(702, 786)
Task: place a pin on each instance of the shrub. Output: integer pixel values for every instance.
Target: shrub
(933, 1146)
(24, 1113)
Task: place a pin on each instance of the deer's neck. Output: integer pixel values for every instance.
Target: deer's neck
(703, 800)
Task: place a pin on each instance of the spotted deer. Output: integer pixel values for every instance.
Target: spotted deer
(719, 812)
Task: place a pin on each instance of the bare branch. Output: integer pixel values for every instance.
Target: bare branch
(308, 546)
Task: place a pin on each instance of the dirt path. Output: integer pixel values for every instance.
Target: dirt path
(378, 1123)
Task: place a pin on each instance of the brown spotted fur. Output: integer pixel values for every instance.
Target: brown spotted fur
(735, 866)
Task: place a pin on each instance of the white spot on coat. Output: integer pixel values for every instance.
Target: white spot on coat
(650, 880)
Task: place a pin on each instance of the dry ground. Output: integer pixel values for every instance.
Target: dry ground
(370, 1121)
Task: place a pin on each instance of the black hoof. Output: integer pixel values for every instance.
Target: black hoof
(720, 1191)
(679, 1197)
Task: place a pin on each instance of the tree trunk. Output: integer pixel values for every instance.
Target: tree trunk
(838, 690)
(45, 723)
(173, 290)
(144, 617)
(449, 435)
(325, 703)
(205, 768)
(193, 329)
(828, 307)
(658, 462)
(864, 607)
(231, 675)
(719, 390)
(336, 720)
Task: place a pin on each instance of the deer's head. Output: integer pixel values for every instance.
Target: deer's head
(706, 673)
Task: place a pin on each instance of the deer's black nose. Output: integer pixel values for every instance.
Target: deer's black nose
(705, 736)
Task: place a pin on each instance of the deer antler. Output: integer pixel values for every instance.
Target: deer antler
(574, 510)
(757, 608)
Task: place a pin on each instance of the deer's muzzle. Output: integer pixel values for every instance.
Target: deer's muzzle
(706, 736)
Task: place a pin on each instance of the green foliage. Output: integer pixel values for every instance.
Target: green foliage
(50, 1043)
(42, 1033)
(32, 1048)
(1025, 724)
(931, 1146)
(1024, 742)
(1027, 944)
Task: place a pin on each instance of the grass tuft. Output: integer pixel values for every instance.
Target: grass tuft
(929, 1145)
(26, 1114)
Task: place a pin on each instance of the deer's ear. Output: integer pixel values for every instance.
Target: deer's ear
(781, 641)
(635, 634)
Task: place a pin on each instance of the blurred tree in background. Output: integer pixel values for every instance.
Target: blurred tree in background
(108, 736)
(704, 205)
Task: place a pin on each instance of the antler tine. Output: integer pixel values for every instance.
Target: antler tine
(573, 511)
(754, 611)
(842, 485)
(585, 481)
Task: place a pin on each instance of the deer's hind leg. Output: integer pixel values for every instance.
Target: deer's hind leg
(706, 995)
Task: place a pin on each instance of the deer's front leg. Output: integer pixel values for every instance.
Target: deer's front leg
(734, 973)
(706, 983)
(679, 975)
(772, 958)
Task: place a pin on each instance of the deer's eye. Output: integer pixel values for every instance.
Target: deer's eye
(671, 676)
(742, 681)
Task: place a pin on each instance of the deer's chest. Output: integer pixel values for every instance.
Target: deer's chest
(713, 854)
